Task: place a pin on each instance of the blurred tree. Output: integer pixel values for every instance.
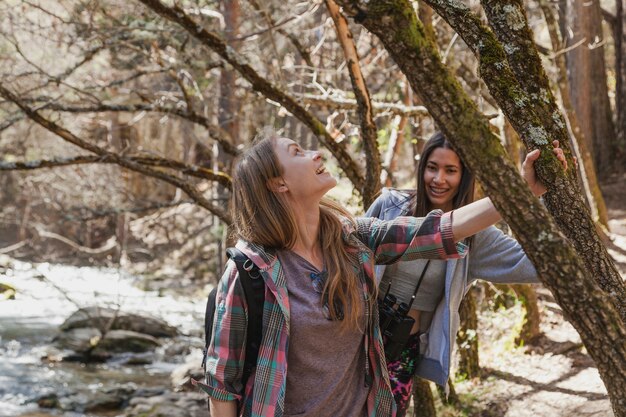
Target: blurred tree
(581, 20)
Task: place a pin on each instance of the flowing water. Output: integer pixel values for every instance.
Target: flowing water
(46, 295)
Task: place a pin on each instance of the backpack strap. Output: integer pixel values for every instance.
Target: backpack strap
(254, 292)
(209, 316)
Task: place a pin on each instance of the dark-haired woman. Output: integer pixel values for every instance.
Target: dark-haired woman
(321, 350)
(443, 183)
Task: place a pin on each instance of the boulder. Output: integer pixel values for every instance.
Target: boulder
(87, 344)
(48, 401)
(107, 318)
(186, 404)
(181, 376)
(119, 341)
(79, 340)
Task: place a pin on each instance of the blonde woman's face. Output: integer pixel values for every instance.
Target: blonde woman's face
(304, 175)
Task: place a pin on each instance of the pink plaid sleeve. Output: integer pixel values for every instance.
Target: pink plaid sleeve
(408, 238)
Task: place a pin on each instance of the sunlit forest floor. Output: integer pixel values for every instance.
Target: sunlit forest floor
(552, 379)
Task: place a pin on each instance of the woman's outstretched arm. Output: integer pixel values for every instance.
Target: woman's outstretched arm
(472, 218)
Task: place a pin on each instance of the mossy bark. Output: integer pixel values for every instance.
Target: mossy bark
(467, 338)
(508, 20)
(591, 311)
(528, 106)
(523, 93)
(423, 401)
(530, 329)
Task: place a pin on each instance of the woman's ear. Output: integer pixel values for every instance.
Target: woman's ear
(277, 185)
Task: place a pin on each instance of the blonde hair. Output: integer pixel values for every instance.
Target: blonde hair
(264, 217)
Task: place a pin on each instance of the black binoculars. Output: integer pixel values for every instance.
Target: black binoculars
(395, 325)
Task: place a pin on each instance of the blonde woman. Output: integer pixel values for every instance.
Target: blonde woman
(321, 352)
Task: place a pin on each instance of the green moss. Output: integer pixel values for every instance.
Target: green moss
(537, 135)
(515, 19)
(410, 30)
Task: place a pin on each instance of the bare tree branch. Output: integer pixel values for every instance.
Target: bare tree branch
(132, 165)
(183, 168)
(13, 247)
(369, 132)
(341, 103)
(216, 133)
(177, 15)
(110, 244)
(304, 52)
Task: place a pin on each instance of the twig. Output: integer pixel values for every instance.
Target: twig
(109, 245)
(11, 248)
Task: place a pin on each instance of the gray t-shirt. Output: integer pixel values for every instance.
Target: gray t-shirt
(325, 367)
(404, 276)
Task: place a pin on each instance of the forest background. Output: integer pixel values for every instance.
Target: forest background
(120, 122)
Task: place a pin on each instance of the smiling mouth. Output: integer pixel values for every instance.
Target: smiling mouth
(438, 191)
(320, 170)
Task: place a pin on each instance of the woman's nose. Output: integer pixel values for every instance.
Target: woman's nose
(316, 155)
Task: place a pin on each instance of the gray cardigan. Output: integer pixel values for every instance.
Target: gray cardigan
(493, 256)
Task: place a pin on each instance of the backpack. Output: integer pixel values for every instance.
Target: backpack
(253, 287)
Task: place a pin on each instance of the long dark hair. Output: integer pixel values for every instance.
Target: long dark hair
(420, 204)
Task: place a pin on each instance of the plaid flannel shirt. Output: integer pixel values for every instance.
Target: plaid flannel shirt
(377, 242)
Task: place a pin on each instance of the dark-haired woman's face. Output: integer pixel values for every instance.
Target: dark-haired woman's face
(442, 177)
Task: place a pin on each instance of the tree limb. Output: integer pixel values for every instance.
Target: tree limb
(591, 310)
(304, 52)
(216, 133)
(369, 132)
(342, 103)
(564, 200)
(183, 168)
(177, 15)
(132, 165)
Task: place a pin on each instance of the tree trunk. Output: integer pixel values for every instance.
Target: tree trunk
(423, 401)
(451, 397)
(467, 338)
(620, 75)
(513, 144)
(396, 139)
(517, 80)
(538, 124)
(228, 105)
(530, 329)
(587, 79)
(593, 194)
(590, 310)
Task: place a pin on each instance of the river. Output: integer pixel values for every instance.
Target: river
(46, 294)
